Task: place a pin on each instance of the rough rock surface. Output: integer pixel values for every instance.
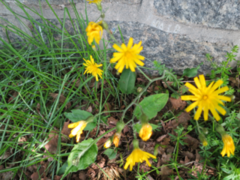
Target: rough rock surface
(223, 14)
(178, 33)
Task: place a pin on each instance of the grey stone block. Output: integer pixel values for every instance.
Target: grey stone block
(224, 14)
(178, 33)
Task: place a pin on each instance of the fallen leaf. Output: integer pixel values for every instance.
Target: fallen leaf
(166, 171)
(165, 158)
(89, 109)
(191, 142)
(65, 131)
(51, 146)
(161, 137)
(62, 99)
(178, 104)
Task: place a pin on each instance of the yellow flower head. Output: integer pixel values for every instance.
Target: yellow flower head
(138, 156)
(94, 32)
(107, 144)
(145, 132)
(94, 1)
(116, 139)
(93, 68)
(78, 129)
(206, 98)
(205, 143)
(228, 147)
(127, 56)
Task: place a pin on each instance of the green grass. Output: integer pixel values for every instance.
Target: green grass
(32, 66)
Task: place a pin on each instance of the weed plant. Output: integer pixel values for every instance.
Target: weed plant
(45, 82)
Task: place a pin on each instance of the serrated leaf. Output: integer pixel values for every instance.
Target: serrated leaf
(127, 81)
(151, 105)
(82, 155)
(110, 153)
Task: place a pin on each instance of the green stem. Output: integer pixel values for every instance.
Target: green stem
(140, 94)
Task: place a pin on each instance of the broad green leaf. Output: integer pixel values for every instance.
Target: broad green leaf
(82, 155)
(78, 115)
(151, 105)
(110, 153)
(127, 81)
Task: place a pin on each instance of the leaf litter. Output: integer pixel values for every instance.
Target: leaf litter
(104, 168)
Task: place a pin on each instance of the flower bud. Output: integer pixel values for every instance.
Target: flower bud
(143, 118)
(90, 119)
(99, 6)
(205, 130)
(107, 144)
(116, 139)
(145, 132)
(135, 144)
(139, 89)
(120, 125)
(220, 129)
(105, 25)
(203, 139)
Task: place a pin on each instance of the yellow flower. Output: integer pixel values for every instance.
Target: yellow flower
(94, 1)
(206, 98)
(107, 144)
(94, 32)
(205, 143)
(138, 156)
(78, 129)
(228, 147)
(127, 56)
(145, 132)
(116, 139)
(93, 68)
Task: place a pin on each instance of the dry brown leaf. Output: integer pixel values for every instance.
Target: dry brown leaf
(89, 109)
(62, 99)
(39, 174)
(82, 175)
(57, 177)
(51, 146)
(165, 158)
(166, 171)
(13, 95)
(65, 131)
(191, 142)
(188, 154)
(7, 175)
(182, 119)
(161, 137)
(178, 104)
(91, 173)
(112, 122)
(107, 107)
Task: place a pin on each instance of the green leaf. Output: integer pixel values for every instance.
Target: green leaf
(154, 126)
(78, 115)
(151, 105)
(82, 155)
(191, 72)
(62, 169)
(127, 81)
(110, 153)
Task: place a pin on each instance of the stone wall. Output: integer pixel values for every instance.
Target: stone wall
(178, 33)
